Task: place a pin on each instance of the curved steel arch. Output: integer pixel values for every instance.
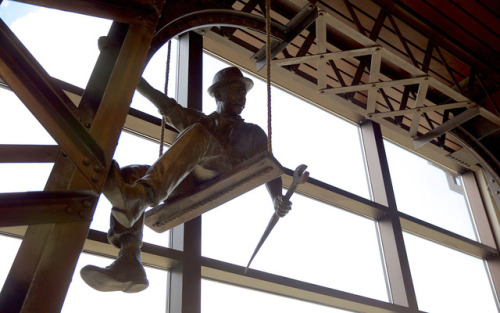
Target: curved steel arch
(214, 17)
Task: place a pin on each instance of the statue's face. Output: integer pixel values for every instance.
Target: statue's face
(231, 98)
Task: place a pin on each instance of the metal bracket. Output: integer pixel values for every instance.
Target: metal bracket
(297, 24)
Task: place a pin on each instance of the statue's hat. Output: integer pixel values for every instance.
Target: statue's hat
(228, 75)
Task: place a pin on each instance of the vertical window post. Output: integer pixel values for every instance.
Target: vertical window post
(483, 228)
(184, 283)
(401, 290)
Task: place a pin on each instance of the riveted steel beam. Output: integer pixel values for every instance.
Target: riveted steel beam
(28, 153)
(30, 208)
(49, 104)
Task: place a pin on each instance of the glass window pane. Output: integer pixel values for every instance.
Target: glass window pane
(64, 43)
(17, 124)
(223, 298)
(9, 250)
(83, 299)
(446, 280)
(315, 242)
(19, 177)
(301, 133)
(424, 191)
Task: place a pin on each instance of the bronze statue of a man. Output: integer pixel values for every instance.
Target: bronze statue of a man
(206, 147)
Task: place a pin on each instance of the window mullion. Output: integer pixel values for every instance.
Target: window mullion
(398, 274)
(184, 285)
(483, 228)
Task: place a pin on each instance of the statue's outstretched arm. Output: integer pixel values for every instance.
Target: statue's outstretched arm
(175, 115)
(160, 100)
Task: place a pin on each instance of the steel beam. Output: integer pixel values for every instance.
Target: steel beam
(327, 56)
(421, 109)
(447, 126)
(419, 102)
(30, 208)
(109, 47)
(28, 153)
(321, 37)
(130, 11)
(296, 25)
(377, 85)
(50, 105)
(374, 78)
(44, 266)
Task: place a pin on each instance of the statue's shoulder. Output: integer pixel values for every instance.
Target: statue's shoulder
(251, 132)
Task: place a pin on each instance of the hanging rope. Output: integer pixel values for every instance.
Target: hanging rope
(268, 81)
(162, 136)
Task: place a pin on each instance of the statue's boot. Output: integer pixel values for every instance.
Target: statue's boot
(125, 274)
(129, 200)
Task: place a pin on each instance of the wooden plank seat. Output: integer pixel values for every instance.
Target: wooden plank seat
(244, 177)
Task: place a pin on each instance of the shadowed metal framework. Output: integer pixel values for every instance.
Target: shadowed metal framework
(423, 75)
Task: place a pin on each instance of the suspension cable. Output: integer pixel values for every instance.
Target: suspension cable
(162, 136)
(268, 78)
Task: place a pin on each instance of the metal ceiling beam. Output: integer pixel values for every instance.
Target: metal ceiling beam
(446, 126)
(421, 109)
(130, 11)
(297, 24)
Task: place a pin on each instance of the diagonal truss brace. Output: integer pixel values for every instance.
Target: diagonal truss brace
(301, 21)
(33, 85)
(421, 109)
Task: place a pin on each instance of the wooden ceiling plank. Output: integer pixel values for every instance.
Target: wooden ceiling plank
(403, 41)
(354, 17)
(449, 70)
(467, 22)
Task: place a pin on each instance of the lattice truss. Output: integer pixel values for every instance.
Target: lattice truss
(375, 64)
(373, 91)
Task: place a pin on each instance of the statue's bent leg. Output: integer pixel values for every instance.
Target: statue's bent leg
(126, 273)
(130, 174)
(194, 151)
(192, 148)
